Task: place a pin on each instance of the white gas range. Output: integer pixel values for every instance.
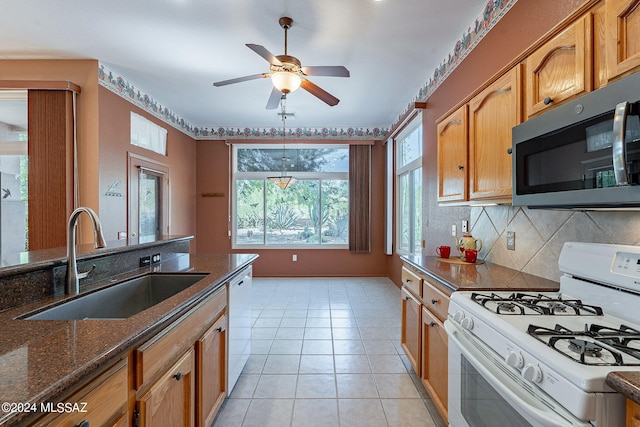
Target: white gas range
(541, 359)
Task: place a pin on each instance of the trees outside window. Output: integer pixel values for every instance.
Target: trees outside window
(312, 211)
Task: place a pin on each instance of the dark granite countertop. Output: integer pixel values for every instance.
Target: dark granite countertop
(627, 383)
(42, 359)
(476, 277)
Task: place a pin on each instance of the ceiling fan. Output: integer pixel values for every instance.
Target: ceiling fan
(287, 73)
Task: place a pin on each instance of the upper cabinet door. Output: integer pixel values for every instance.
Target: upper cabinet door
(452, 156)
(561, 68)
(623, 36)
(492, 115)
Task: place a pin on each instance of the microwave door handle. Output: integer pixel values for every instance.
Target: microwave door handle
(619, 147)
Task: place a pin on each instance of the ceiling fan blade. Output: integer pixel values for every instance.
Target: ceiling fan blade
(318, 92)
(274, 99)
(262, 51)
(242, 79)
(326, 70)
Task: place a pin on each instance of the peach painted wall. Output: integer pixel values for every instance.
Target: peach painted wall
(211, 236)
(115, 113)
(523, 25)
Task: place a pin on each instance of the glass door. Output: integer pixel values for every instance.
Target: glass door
(149, 206)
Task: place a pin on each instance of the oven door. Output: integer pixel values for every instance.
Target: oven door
(484, 391)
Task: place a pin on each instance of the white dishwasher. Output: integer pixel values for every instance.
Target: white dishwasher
(239, 329)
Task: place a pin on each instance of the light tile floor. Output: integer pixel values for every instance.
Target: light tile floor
(326, 352)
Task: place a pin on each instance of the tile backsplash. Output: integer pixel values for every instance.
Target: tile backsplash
(540, 234)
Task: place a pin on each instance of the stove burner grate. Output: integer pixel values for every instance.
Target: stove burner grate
(537, 304)
(595, 345)
(585, 347)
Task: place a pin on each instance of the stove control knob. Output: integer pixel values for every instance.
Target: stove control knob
(458, 316)
(467, 323)
(532, 373)
(515, 360)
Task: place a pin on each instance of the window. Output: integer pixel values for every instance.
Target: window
(13, 171)
(146, 134)
(311, 212)
(409, 185)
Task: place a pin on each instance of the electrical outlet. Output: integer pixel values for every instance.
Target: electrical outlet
(454, 230)
(155, 258)
(511, 240)
(294, 257)
(145, 261)
(465, 226)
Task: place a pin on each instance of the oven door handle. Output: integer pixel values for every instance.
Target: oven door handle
(498, 380)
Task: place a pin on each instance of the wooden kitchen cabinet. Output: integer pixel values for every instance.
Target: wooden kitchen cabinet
(109, 387)
(622, 36)
(183, 368)
(452, 156)
(434, 370)
(410, 329)
(171, 400)
(633, 414)
(492, 115)
(423, 337)
(412, 281)
(211, 375)
(561, 68)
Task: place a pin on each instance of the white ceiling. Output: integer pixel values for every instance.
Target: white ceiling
(174, 50)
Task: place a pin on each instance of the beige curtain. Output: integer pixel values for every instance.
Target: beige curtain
(359, 198)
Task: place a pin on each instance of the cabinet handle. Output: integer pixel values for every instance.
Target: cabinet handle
(407, 298)
(547, 101)
(219, 329)
(509, 150)
(434, 301)
(83, 423)
(407, 280)
(460, 167)
(178, 376)
(432, 324)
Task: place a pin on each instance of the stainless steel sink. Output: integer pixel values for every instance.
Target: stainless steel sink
(121, 300)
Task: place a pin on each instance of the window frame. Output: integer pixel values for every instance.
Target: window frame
(408, 170)
(300, 176)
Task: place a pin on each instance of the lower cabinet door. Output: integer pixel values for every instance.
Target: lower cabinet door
(410, 333)
(434, 361)
(171, 400)
(211, 371)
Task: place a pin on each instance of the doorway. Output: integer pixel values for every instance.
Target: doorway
(148, 199)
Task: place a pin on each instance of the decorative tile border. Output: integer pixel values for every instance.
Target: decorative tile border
(118, 84)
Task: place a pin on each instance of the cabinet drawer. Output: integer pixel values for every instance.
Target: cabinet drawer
(109, 387)
(412, 281)
(161, 351)
(434, 300)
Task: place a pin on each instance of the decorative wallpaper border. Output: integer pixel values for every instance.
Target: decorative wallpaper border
(120, 85)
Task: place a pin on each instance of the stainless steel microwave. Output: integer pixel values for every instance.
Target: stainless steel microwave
(583, 154)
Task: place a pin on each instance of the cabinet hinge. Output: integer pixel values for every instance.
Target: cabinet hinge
(136, 418)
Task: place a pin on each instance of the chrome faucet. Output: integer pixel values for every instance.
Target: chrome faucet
(72, 280)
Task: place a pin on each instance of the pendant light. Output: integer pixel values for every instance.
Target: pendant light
(284, 180)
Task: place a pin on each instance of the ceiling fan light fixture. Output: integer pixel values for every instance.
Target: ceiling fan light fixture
(285, 81)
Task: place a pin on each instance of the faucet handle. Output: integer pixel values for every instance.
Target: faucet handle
(86, 273)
